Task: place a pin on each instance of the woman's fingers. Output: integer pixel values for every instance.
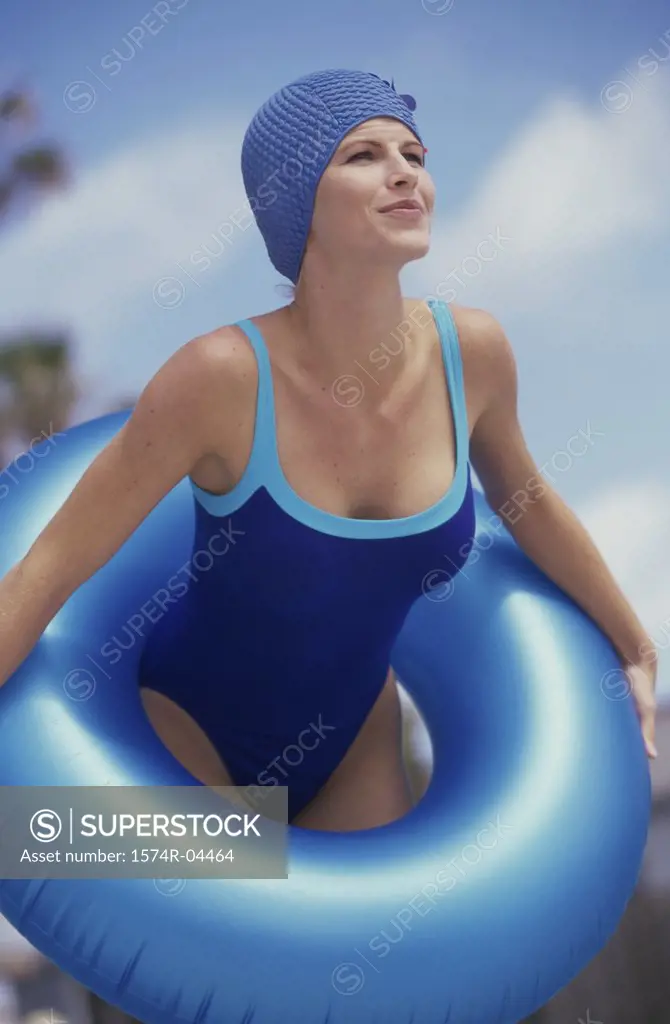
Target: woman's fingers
(642, 679)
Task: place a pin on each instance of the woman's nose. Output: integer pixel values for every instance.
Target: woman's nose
(405, 174)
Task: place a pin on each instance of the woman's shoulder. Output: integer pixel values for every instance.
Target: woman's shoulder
(224, 351)
(228, 349)
(486, 353)
(489, 364)
(474, 323)
(218, 371)
(480, 334)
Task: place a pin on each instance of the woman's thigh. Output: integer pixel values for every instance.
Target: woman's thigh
(184, 738)
(369, 787)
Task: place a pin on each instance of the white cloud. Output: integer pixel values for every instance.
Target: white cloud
(630, 524)
(574, 183)
(122, 227)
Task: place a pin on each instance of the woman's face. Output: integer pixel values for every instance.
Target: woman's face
(377, 164)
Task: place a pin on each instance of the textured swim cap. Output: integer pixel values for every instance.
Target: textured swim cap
(290, 142)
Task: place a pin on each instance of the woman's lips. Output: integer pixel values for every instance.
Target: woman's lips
(404, 212)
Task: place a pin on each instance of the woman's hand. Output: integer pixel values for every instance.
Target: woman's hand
(642, 678)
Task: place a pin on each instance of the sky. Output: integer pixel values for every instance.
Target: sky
(547, 130)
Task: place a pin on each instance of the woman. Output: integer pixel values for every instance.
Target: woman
(336, 497)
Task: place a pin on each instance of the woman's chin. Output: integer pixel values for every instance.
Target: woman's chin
(412, 248)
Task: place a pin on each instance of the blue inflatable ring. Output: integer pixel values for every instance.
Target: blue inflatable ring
(489, 896)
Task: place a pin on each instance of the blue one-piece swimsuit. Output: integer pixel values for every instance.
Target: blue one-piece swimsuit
(280, 650)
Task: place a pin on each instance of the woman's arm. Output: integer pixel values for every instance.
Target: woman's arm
(543, 525)
(168, 431)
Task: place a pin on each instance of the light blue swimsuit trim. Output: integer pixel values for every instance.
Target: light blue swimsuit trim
(264, 468)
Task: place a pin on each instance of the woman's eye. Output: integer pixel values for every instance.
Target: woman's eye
(368, 152)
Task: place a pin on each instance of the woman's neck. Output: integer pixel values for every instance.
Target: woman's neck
(353, 325)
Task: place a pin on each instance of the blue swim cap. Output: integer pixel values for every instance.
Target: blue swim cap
(290, 142)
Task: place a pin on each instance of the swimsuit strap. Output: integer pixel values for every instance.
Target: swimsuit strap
(264, 459)
(451, 354)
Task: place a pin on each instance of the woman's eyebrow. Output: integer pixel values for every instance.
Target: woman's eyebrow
(379, 145)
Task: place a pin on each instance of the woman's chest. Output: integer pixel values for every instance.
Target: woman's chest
(362, 453)
(387, 469)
